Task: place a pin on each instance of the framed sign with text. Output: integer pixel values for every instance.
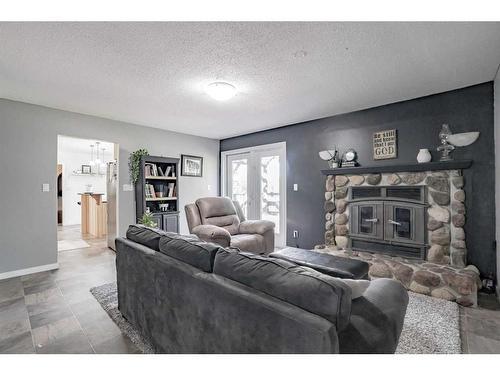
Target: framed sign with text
(385, 144)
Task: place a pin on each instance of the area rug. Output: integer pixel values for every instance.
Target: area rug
(431, 325)
(64, 245)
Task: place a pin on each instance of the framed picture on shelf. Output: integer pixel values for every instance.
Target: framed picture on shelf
(191, 165)
(86, 169)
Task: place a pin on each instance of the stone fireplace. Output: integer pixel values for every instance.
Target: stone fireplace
(407, 224)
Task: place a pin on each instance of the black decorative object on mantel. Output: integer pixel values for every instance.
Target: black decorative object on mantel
(349, 159)
(420, 167)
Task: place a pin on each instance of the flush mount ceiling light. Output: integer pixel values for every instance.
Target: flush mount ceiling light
(221, 91)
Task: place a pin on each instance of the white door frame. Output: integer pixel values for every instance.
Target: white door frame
(283, 183)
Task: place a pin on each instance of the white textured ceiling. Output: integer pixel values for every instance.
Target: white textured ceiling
(154, 73)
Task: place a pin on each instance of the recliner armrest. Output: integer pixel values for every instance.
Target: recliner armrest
(376, 319)
(255, 226)
(212, 233)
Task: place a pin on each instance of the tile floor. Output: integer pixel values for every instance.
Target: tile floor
(54, 312)
(480, 327)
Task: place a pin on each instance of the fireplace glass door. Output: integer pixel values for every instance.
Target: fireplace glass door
(367, 220)
(404, 223)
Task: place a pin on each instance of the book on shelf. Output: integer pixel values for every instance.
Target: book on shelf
(171, 190)
(150, 169)
(149, 191)
(167, 171)
(160, 171)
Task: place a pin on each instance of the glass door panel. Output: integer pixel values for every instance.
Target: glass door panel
(366, 216)
(238, 181)
(402, 222)
(270, 190)
(256, 178)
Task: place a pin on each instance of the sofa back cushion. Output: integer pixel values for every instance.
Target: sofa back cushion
(219, 211)
(146, 236)
(308, 289)
(191, 250)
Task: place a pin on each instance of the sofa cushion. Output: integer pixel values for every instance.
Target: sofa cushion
(219, 211)
(304, 287)
(146, 236)
(191, 250)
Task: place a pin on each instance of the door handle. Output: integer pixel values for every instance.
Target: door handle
(374, 220)
(393, 222)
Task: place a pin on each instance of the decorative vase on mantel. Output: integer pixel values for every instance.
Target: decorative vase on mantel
(424, 156)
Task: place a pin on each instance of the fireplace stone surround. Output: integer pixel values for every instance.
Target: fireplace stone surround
(443, 272)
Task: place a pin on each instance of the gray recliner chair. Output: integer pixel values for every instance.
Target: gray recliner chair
(220, 220)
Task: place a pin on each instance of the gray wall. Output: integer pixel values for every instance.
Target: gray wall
(28, 158)
(497, 170)
(418, 123)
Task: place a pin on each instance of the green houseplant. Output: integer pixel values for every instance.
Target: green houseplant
(134, 163)
(147, 220)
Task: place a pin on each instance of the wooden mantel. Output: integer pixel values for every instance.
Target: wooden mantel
(416, 167)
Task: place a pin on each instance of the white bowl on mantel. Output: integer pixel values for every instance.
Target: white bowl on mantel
(327, 154)
(462, 139)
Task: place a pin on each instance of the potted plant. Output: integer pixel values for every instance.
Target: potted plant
(148, 220)
(134, 163)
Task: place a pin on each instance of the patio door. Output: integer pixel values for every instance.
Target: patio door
(256, 178)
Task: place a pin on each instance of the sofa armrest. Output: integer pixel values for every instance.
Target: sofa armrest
(214, 234)
(255, 226)
(376, 319)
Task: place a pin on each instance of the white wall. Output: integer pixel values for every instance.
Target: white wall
(497, 172)
(71, 155)
(28, 142)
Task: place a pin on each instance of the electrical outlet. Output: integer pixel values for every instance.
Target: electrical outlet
(295, 187)
(45, 188)
(295, 234)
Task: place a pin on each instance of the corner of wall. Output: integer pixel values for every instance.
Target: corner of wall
(496, 105)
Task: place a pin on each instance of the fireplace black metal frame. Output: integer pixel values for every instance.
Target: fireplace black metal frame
(380, 231)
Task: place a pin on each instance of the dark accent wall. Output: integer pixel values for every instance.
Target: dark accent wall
(418, 123)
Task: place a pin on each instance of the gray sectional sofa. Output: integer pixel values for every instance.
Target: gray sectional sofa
(189, 296)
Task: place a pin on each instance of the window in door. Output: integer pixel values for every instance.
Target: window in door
(239, 186)
(255, 177)
(270, 189)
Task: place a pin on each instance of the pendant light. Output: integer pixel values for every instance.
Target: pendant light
(91, 162)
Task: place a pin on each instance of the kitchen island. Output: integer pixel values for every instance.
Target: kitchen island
(94, 214)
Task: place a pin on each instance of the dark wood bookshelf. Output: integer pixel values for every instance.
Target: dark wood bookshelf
(144, 198)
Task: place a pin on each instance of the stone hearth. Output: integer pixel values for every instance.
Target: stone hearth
(443, 273)
(440, 281)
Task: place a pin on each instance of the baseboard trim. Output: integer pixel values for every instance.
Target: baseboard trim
(27, 271)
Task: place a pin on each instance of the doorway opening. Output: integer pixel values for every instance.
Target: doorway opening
(86, 192)
(256, 178)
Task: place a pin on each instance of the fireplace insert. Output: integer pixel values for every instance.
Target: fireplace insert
(389, 220)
